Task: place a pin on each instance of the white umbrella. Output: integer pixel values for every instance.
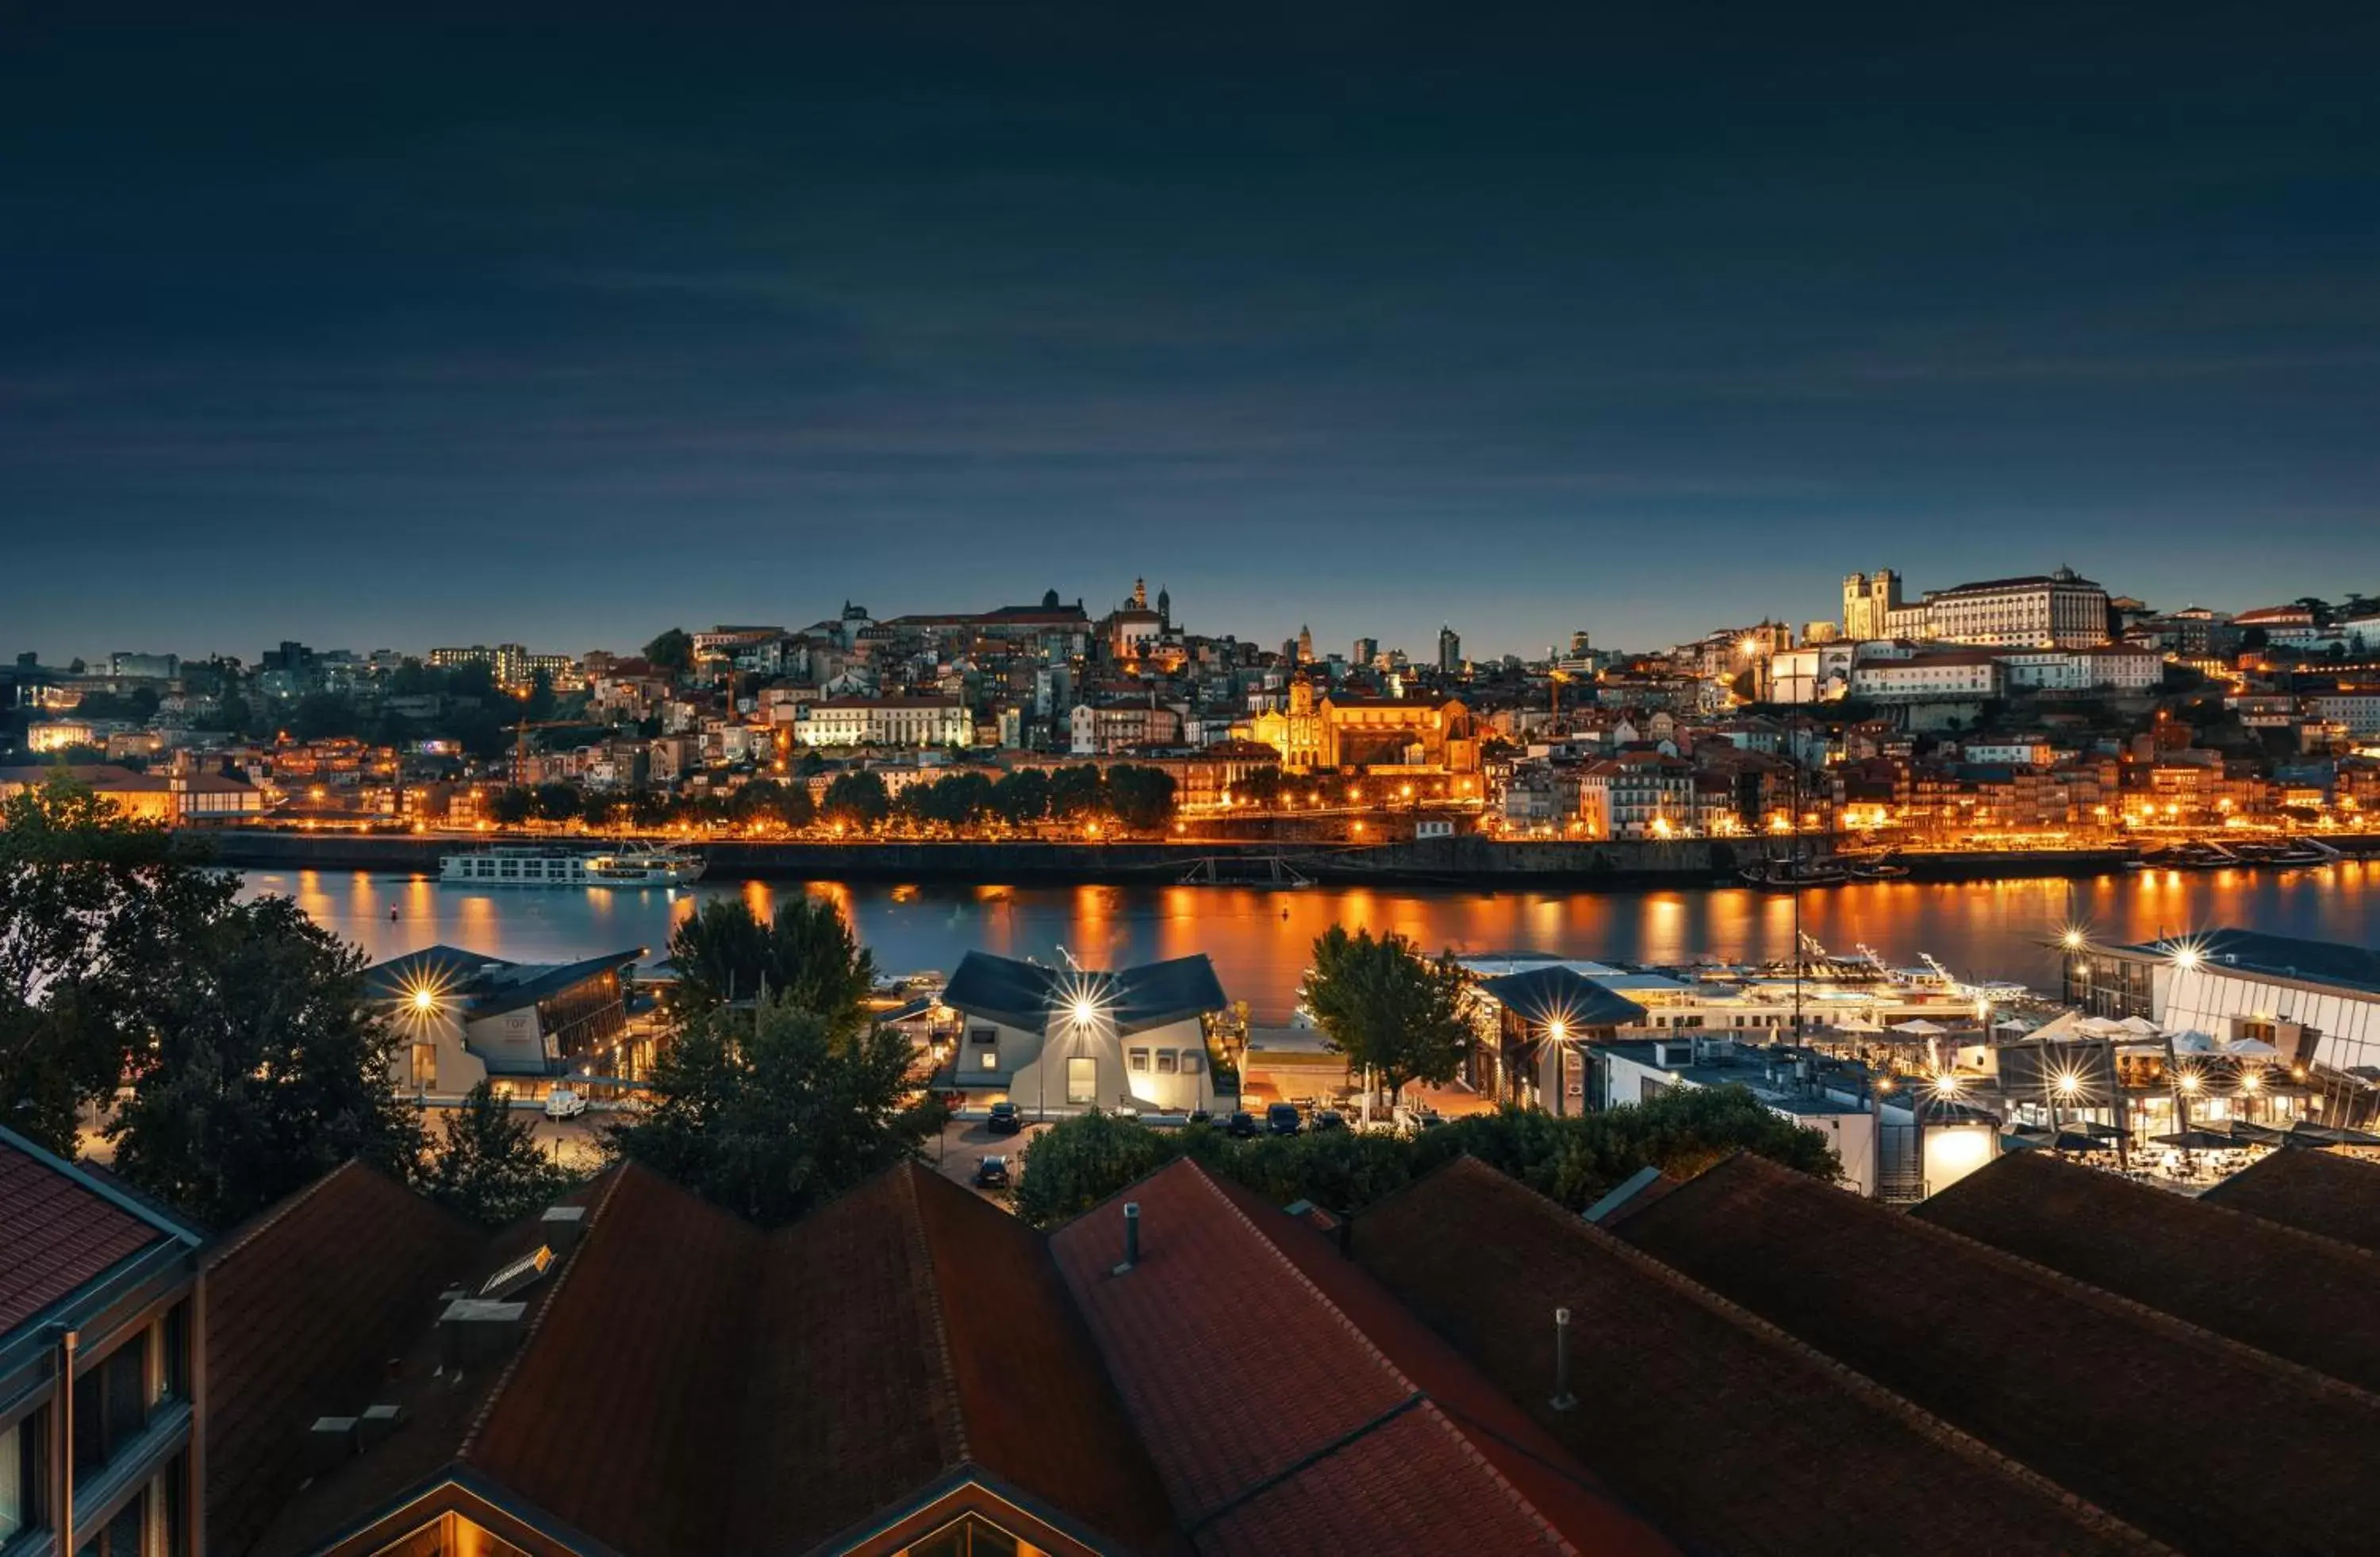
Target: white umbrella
(2065, 1024)
(2192, 1043)
(2100, 1026)
(1918, 1027)
(2012, 1024)
(2255, 1047)
(2140, 1025)
(1856, 1024)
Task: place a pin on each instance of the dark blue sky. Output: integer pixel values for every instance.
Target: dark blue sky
(424, 328)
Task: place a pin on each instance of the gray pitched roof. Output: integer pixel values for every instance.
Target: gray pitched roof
(1540, 995)
(1026, 992)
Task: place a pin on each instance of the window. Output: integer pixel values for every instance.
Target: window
(111, 1404)
(21, 1469)
(1167, 1062)
(1192, 1063)
(1082, 1080)
(1136, 1059)
(991, 1059)
(983, 1035)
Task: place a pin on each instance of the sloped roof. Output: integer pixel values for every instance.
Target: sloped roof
(1028, 993)
(1541, 994)
(785, 1386)
(2286, 957)
(61, 1228)
(2197, 1439)
(2197, 1261)
(1286, 1415)
(304, 1307)
(1693, 1408)
(2314, 1191)
(486, 983)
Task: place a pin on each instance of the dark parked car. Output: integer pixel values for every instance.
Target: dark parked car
(1243, 1125)
(1329, 1119)
(1004, 1120)
(1283, 1119)
(992, 1173)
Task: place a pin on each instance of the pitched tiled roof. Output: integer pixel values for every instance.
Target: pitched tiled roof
(58, 1231)
(1277, 1419)
(1712, 1421)
(2194, 1260)
(2315, 1191)
(2195, 1439)
(305, 1307)
(786, 1386)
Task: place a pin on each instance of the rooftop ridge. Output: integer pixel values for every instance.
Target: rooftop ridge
(950, 1423)
(552, 1298)
(1274, 1252)
(2099, 1297)
(249, 1230)
(1915, 1417)
(133, 1204)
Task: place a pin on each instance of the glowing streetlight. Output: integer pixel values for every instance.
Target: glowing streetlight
(425, 1001)
(1558, 1029)
(1946, 1086)
(2189, 1081)
(2072, 940)
(2068, 1084)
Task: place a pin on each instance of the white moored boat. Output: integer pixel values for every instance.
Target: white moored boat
(553, 865)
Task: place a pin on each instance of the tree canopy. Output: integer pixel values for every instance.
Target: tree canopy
(670, 652)
(807, 956)
(486, 1166)
(1387, 1007)
(769, 1114)
(1077, 1162)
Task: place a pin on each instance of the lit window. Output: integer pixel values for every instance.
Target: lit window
(1138, 1059)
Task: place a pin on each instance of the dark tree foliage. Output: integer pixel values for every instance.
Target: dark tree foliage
(859, 800)
(770, 1114)
(322, 715)
(671, 654)
(766, 801)
(557, 802)
(512, 806)
(267, 1065)
(486, 1165)
(806, 956)
(1022, 797)
(1078, 1162)
(1076, 794)
(1141, 799)
(1388, 1007)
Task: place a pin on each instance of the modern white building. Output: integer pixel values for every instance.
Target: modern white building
(462, 1017)
(2317, 1002)
(914, 722)
(1060, 1042)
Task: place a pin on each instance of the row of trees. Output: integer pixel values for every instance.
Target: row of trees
(1138, 798)
(1076, 1163)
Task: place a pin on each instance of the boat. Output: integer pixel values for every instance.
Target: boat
(1880, 868)
(1791, 875)
(558, 864)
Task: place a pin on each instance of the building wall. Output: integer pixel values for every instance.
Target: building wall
(1035, 1068)
(2210, 998)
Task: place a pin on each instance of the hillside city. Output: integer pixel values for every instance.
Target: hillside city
(2008, 715)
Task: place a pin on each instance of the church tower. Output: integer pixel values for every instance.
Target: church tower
(1164, 610)
(1140, 594)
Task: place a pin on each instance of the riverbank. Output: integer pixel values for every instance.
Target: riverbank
(1470, 862)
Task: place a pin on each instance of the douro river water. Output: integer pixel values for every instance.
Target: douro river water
(1258, 939)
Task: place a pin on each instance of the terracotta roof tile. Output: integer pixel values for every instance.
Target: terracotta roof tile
(304, 1310)
(1691, 1408)
(2313, 1191)
(58, 1233)
(2197, 1439)
(1263, 1400)
(2194, 1260)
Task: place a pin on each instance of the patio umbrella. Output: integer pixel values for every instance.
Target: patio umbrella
(2305, 1132)
(2100, 1026)
(2140, 1025)
(2259, 1135)
(2192, 1043)
(1918, 1026)
(2094, 1128)
(2199, 1139)
(2012, 1024)
(2253, 1046)
(1857, 1023)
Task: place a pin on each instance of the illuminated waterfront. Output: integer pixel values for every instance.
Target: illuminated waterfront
(1258, 939)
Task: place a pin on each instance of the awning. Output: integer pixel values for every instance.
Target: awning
(1918, 1026)
(2255, 1047)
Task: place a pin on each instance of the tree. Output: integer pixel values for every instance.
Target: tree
(511, 806)
(1077, 793)
(1387, 1007)
(807, 956)
(486, 1166)
(1142, 798)
(1078, 1162)
(538, 707)
(236, 715)
(766, 801)
(264, 1063)
(322, 715)
(87, 902)
(770, 1114)
(599, 809)
(672, 652)
(1022, 797)
(858, 800)
(557, 801)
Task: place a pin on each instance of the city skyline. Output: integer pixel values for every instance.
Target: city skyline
(377, 332)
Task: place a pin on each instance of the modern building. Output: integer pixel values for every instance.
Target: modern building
(1450, 653)
(466, 1019)
(1061, 1042)
(103, 1386)
(1534, 1028)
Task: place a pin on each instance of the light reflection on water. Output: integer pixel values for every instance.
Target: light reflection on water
(1258, 937)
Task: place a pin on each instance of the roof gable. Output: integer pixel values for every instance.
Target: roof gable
(2313, 1191)
(63, 1228)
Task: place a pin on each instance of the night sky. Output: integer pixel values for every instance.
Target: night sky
(1643, 320)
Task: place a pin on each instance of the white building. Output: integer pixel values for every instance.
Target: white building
(2358, 711)
(1057, 1041)
(919, 722)
(1637, 794)
(1816, 673)
(2120, 667)
(2315, 1002)
(462, 1017)
(2057, 609)
(1956, 677)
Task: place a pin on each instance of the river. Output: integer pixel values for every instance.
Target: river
(1258, 939)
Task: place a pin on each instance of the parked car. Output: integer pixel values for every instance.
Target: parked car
(1329, 1119)
(1242, 1124)
(992, 1173)
(1004, 1120)
(1283, 1119)
(563, 1103)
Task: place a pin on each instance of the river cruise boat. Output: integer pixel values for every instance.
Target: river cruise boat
(554, 865)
